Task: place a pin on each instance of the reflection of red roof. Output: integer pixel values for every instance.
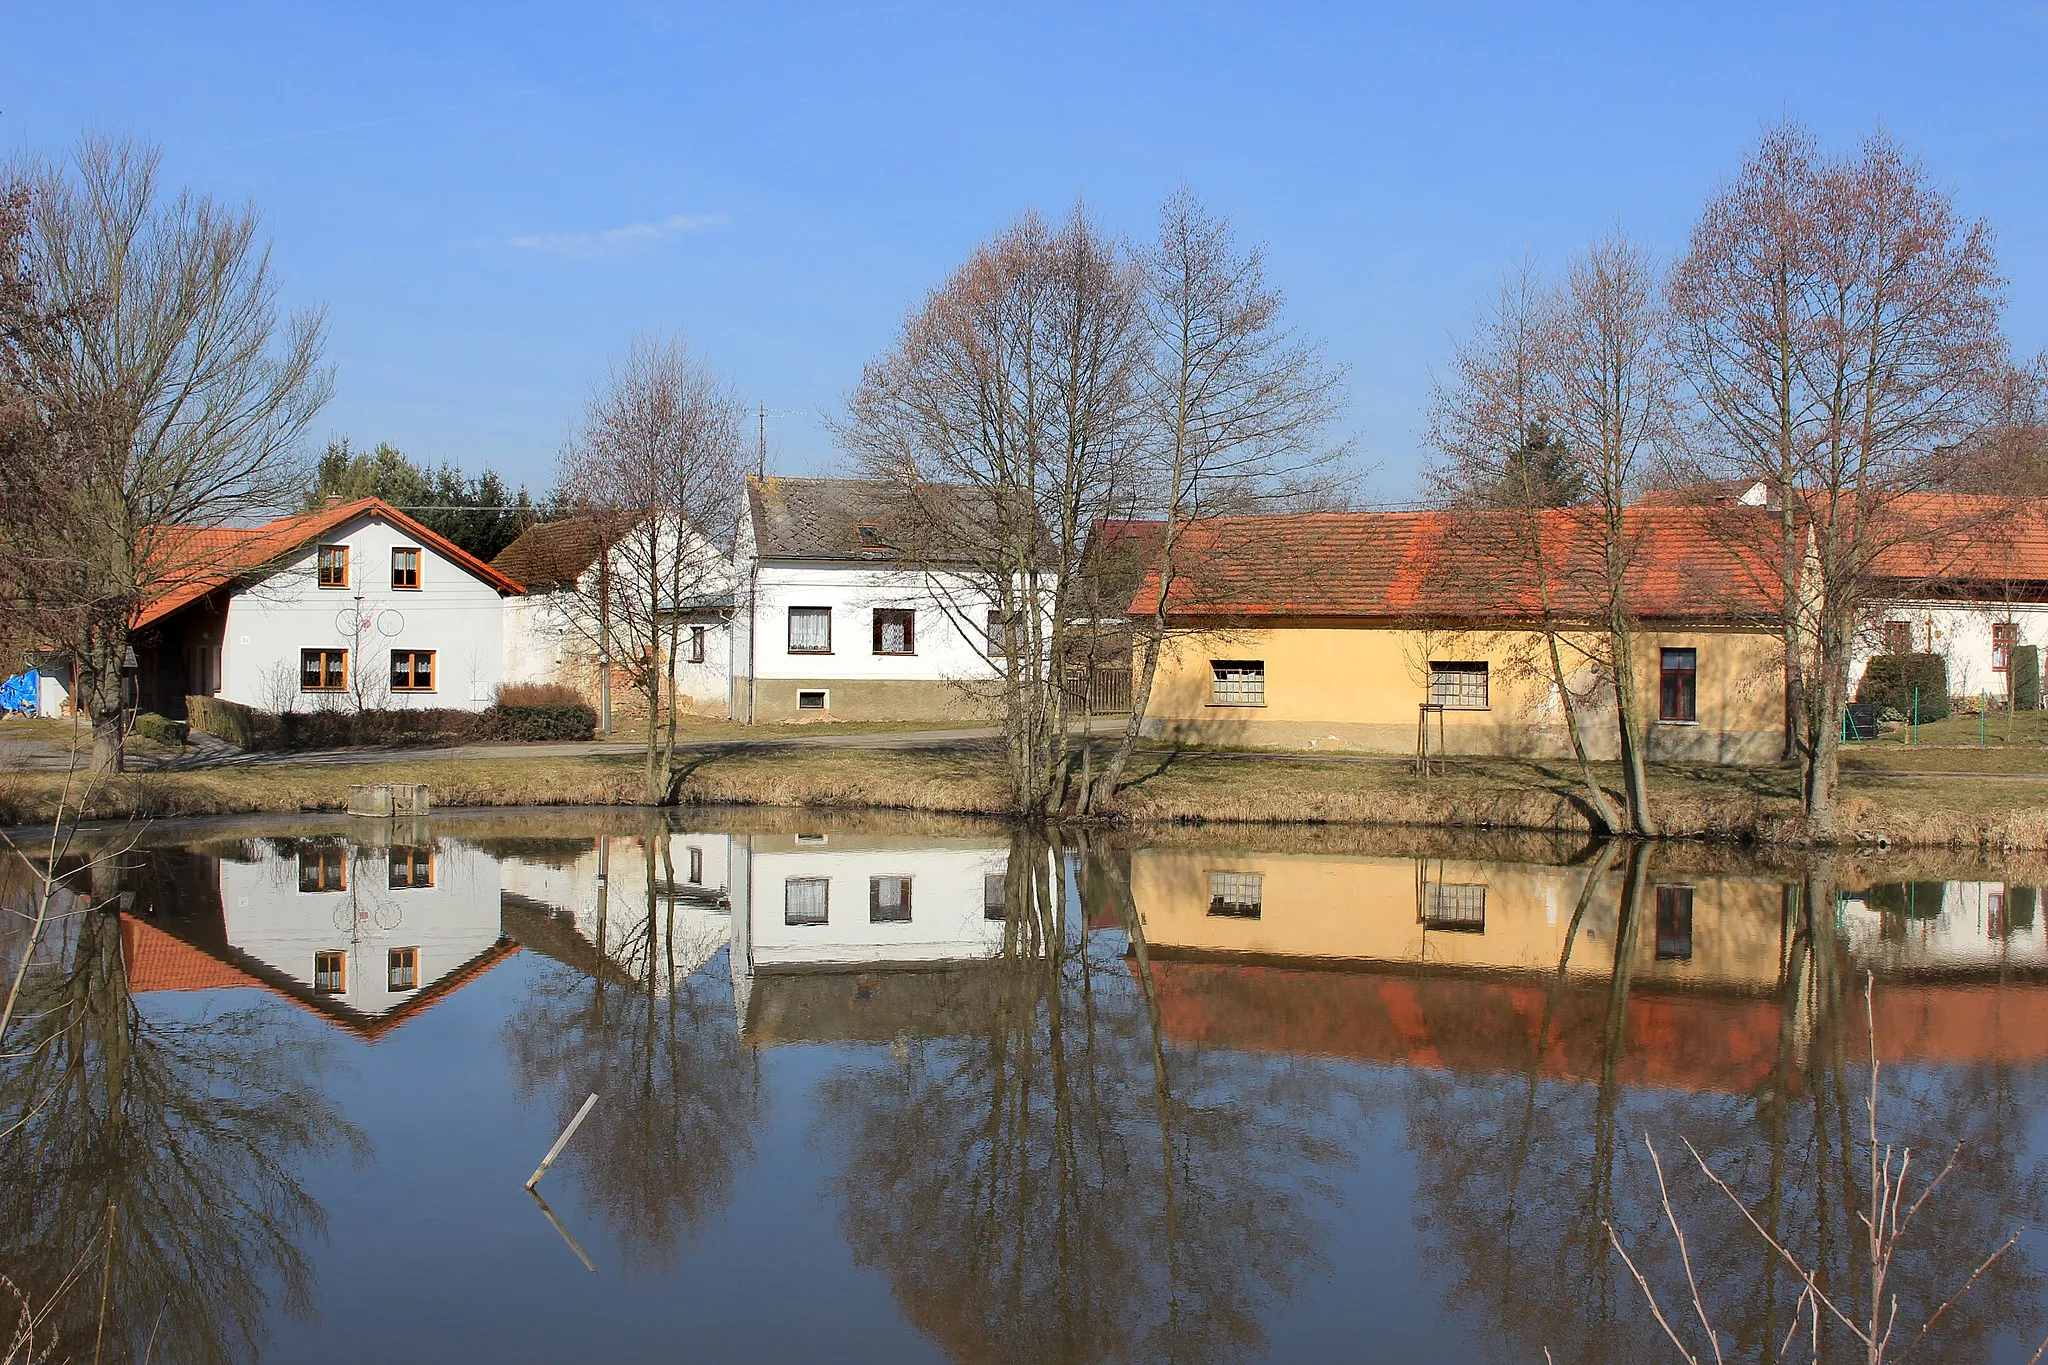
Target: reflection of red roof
(1473, 1024)
(202, 561)
(1684, 563)
(159, 961)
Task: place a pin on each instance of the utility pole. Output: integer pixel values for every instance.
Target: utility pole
(761, 449)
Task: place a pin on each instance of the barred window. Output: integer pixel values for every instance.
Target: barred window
(1239, 895)
(888, 900)
(1458, 686)
(1237, 682)
(806, 900)
(1456, 906)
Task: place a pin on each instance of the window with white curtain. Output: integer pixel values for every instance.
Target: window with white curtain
(805, 900)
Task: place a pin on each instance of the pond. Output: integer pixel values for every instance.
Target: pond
(914, 1089)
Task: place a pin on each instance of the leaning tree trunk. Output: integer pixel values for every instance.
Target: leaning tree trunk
(1634, 779)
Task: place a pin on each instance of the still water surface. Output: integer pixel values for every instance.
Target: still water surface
(931, 1091)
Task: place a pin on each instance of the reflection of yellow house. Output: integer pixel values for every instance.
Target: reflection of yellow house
(1335, 630)
(1516, 917)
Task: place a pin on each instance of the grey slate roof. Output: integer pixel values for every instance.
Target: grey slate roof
(833, 519)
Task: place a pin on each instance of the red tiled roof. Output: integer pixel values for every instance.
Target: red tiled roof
(1963, 538)
(205, 560)
(157, 961)
(1683, 563)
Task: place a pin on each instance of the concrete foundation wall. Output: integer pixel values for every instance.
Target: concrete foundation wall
(873, 699)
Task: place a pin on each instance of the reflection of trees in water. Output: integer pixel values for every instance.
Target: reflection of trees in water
(1050, 1182)
(1516, 1173)
(156, 1160)
(679, 1095)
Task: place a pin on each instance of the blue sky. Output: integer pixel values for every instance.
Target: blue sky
(490, 201)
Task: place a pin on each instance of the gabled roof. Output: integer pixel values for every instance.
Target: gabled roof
(1699, 564)
(858, 520)
(203, 561)
(1959, 538)
(556, 554)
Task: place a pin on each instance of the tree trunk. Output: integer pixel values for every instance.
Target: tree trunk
(1634, 780)
(1604, 818)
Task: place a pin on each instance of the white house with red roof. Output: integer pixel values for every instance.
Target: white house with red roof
(354, 604)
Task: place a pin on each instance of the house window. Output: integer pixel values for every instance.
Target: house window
(810, 701)
(2004, 635)
(1458, 686)
(405, 567)
(412, 670)
(895, 631)
(814, 838)
(805, 900)
(696, 655)
(323, 867)
(869, 535)
(333, 562)
(323, 670)
(1678, 685)
(1898, 637)
(810, 630)
(696, 866)
(1237, 682)
(1674, 924)
(888, 900)
(402, 969)
(1238, 895)
(1460, 907)
(410, 867)
(330, 971)
(995, 895)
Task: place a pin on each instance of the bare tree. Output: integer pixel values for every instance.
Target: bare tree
(1007, 408)
(658, 455)
(1614, 409)
(1490, 421)
(169, 394)
(1234, 407)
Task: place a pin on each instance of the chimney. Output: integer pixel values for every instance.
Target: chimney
(334, 499)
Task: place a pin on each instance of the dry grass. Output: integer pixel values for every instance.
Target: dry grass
(1757, 806)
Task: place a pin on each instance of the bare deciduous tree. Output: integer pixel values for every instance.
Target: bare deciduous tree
(167, 393)
(1234, 406)
(659, 454)
(1007, 409)
(1486, 421)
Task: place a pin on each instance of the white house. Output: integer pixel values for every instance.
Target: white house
(601, 893)
(581, 576)
(831, 622)
(355, 604)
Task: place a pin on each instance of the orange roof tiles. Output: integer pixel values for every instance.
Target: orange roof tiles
(202, 561)
(157, 961)
(1681, 563)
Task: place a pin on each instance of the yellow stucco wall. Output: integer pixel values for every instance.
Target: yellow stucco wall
(1357, 686)
(1364, 910)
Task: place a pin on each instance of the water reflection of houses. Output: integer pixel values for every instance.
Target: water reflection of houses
(600, 899)
(365, 933)
(1492, 965)
(849, 936)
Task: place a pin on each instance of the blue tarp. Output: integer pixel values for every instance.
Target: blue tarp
(20, 693)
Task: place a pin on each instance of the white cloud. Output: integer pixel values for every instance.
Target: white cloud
(618, 241)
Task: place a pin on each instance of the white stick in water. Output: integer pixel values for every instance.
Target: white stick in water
(560, 1142)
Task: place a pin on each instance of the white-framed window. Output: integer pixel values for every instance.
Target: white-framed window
(806, 900)
(1459, 685)
(1237, 895)
(810, 630)
(1237, 682)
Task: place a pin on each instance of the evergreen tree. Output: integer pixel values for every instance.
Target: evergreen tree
(478, 513)
(1540, 472)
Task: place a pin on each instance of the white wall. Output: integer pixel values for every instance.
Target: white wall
(453, 613)
(451, 922)
(949, 637)
(1961, 632)
(1964, 933)
(701, 927)
(946, 917)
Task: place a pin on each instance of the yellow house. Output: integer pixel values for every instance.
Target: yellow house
(1363, 630)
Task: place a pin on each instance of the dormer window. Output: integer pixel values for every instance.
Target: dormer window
(869, 535)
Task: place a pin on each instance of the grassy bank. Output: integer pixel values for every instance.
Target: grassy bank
(1747, 805)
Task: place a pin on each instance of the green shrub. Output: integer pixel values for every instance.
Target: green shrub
(574, 721)
(1889, 680)
(243, 726)
(2024, 671)
(361, 729)
(151, 726)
